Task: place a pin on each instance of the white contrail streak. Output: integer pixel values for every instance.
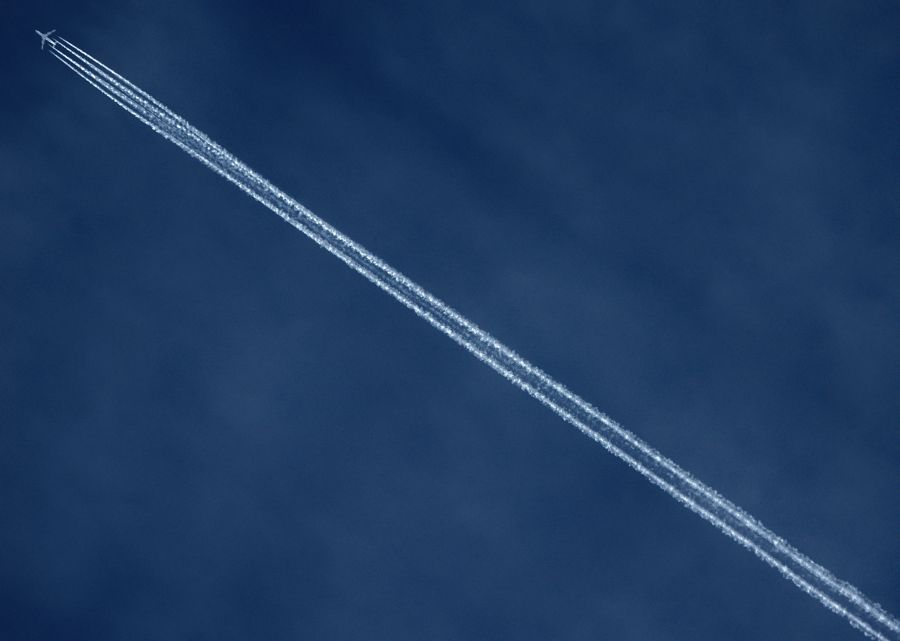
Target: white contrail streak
(836, 595)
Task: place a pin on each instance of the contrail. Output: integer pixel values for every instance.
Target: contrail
(838, 596)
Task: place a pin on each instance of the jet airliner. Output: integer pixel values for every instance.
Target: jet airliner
(45, 38)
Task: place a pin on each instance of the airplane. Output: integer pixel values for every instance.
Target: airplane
(45, 38)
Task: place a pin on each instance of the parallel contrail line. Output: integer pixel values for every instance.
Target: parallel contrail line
(836, 595)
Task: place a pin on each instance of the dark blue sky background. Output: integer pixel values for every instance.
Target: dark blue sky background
(211, 429)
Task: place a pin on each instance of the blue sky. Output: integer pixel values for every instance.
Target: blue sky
(213, 429)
